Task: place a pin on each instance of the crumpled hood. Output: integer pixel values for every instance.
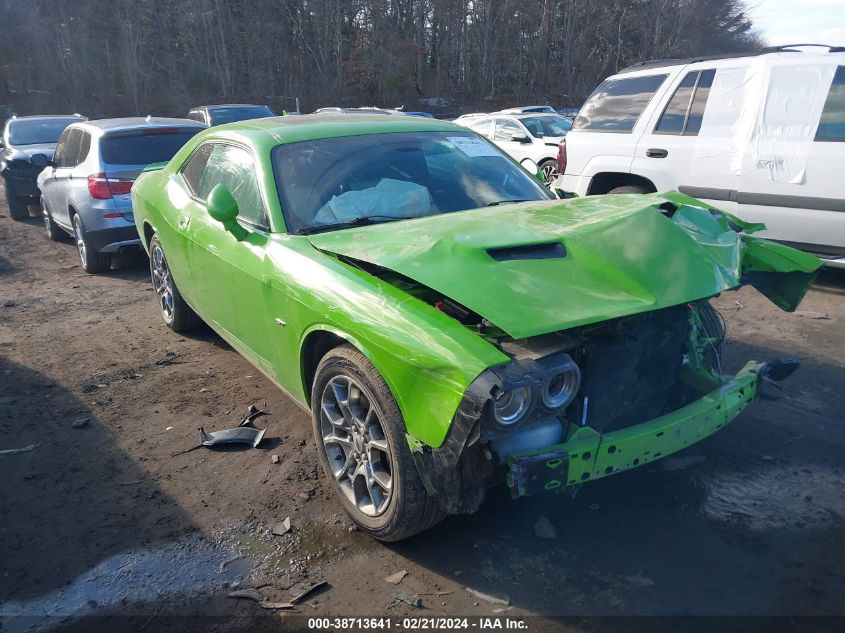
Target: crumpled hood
(620, 255)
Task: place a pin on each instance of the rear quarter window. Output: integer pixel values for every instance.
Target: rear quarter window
(616, 105)
(143, 147)
(832, 122)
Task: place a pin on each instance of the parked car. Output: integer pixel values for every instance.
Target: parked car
(527, 137)
(228, 113)
(535, 109)
(23, 138)
(762, 136)
(85, 188)
(445, 320)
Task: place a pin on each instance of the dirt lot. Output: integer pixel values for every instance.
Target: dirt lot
(102, 518)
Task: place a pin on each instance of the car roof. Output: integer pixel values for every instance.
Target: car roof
(231, 105)
(789, 48)
(309, 127)
(31, 117)
(137, 123)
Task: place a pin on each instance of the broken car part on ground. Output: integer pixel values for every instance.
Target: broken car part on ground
(543, 342)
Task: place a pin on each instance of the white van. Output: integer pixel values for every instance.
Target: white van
(762, 137)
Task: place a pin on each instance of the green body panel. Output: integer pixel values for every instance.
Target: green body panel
(269, 293)
(588, 455)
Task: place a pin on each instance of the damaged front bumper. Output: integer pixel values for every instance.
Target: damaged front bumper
(589, 455)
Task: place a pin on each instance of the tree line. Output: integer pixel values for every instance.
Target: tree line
(122, 57)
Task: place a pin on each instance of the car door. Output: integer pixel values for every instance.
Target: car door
(664, 152)
(48, 177)
(226, 270)
(503, 134)
(62, 177)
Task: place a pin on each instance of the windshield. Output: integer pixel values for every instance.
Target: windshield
(394, 176)
(144, 147)
(541, 126)
(36, 131)
(238, 113)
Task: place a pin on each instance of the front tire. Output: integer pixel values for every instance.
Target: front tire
(18, 209)
(175, 312)
(549, 168)
(361, 444)
(92, 262)
(54, 233)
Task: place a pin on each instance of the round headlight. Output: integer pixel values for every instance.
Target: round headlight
(561, 389)
(510, 407)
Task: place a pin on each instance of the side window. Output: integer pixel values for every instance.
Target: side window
(84, 148)
(59, 154)
(832, 123)
(685, 110)
(71, 149)
(193, 169)
(675, 115)
(234, 168)
(616, 105)
(699, 102)
(485, 128)
(196, 115)
(506, 130)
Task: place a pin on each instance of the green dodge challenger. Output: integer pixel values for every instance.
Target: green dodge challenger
(446, 320)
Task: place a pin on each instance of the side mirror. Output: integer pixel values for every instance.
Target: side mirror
(520, 138)
(39, 160)
(223, 207)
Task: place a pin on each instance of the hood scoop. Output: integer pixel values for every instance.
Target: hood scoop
(550, 250)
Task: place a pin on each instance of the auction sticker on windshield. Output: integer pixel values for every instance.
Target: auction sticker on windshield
(472, 146)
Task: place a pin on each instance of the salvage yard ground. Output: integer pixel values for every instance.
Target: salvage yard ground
(103, 517)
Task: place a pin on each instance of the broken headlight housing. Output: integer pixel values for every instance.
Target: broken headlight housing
(528, 389)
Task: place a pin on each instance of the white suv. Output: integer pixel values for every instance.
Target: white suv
(526, 137)
(762, 137)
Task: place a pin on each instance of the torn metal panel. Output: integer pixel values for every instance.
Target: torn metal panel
(239, 435)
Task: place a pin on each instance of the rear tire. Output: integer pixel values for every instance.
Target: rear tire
(175, 312)
(358, 426)
(18, 209)
(627, 189)
(92, 262)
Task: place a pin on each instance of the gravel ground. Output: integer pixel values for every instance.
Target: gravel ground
(103, 518)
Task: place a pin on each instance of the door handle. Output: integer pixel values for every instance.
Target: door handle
(656, 152)
(184, 221)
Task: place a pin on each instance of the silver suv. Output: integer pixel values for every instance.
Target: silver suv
(85, 188)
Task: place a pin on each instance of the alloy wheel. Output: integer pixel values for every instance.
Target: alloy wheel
(353, 439)
(162, 283)
(80, 241)
(549, 172)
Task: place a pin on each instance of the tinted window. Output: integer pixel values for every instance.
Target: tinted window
(84, 147)
(699, 102)
(616, 104)
(71, 149)
(394, 176)
(506, 130)
(143, 147)
(59, 154)
(541, 126)
(194, 168)
(35, 131)
(234, 168)
(675, 115)
(832, 123)
(227, 115)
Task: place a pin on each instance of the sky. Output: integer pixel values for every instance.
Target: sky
(799, 21)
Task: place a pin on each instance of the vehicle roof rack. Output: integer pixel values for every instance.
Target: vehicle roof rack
(790, 48)
(784, 48)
